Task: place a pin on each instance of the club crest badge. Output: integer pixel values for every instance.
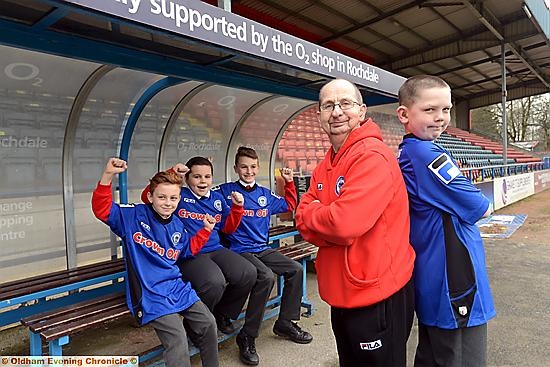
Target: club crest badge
(339, 184)
(463, 310)
(176, 238)
(262, 201)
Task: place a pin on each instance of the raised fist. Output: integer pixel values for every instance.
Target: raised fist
(209, 222)
(181, 169)
(237, 198)
(286, 173)
(115, 165)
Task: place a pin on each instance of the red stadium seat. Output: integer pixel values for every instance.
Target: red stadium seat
(291, 164)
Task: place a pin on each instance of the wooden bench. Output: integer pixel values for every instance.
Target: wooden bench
(276, 233)
(25, 297)
(56, 326)
(302, 252)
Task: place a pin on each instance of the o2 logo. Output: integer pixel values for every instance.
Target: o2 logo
(227, 102)
(280, 108)
(24, 71)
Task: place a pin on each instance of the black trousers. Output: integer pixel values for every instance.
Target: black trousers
(222, 280)
(268, 262)
(375, 335)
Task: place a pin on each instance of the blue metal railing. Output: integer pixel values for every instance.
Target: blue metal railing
(480, 174)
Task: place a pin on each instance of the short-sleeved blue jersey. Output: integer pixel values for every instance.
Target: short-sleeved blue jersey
(259, 204)
(154, 285)
(452, 288)
(191, 211)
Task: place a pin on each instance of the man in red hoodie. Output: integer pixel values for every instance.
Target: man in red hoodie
(356, 211)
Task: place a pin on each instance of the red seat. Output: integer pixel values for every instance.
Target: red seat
(291, 164)
(310, 167)
(289, 154)
(310, 153)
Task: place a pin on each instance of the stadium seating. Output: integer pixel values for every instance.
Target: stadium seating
(304, 145)
(490, 150)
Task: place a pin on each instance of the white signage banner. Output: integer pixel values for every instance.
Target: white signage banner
(208, 23)
(513, 188)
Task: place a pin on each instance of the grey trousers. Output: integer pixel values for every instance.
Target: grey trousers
(201, 326)
(464, 347)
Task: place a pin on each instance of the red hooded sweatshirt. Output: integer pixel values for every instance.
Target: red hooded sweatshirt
(361, 222)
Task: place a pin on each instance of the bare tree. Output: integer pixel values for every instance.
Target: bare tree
(527, 119)
(486, 120)
(541, 117)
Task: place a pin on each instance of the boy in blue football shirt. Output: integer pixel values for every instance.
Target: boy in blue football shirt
(250, 240)
(154, 240)
(221, 278)
(452, 295)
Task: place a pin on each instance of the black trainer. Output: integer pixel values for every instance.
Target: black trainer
(291, 330)
(224, 324)
(247, 349)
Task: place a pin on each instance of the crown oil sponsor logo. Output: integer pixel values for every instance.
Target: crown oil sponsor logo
(183, 213)
(258, 213)
(140, 239)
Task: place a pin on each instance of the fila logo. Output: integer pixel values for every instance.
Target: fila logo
(371, 345)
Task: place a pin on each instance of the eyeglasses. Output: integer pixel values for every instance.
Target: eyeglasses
(344, 104)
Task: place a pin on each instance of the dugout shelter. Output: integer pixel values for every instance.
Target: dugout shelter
(154, 82)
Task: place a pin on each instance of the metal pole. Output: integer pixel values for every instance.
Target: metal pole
(504, 126)
(225, 5)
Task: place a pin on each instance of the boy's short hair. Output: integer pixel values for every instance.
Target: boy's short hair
(412, 86)
(164, 178)
(198, 161)
(245, 152)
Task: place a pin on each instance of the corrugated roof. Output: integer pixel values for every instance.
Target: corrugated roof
(457, 40)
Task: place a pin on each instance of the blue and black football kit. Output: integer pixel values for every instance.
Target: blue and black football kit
(452, 288)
